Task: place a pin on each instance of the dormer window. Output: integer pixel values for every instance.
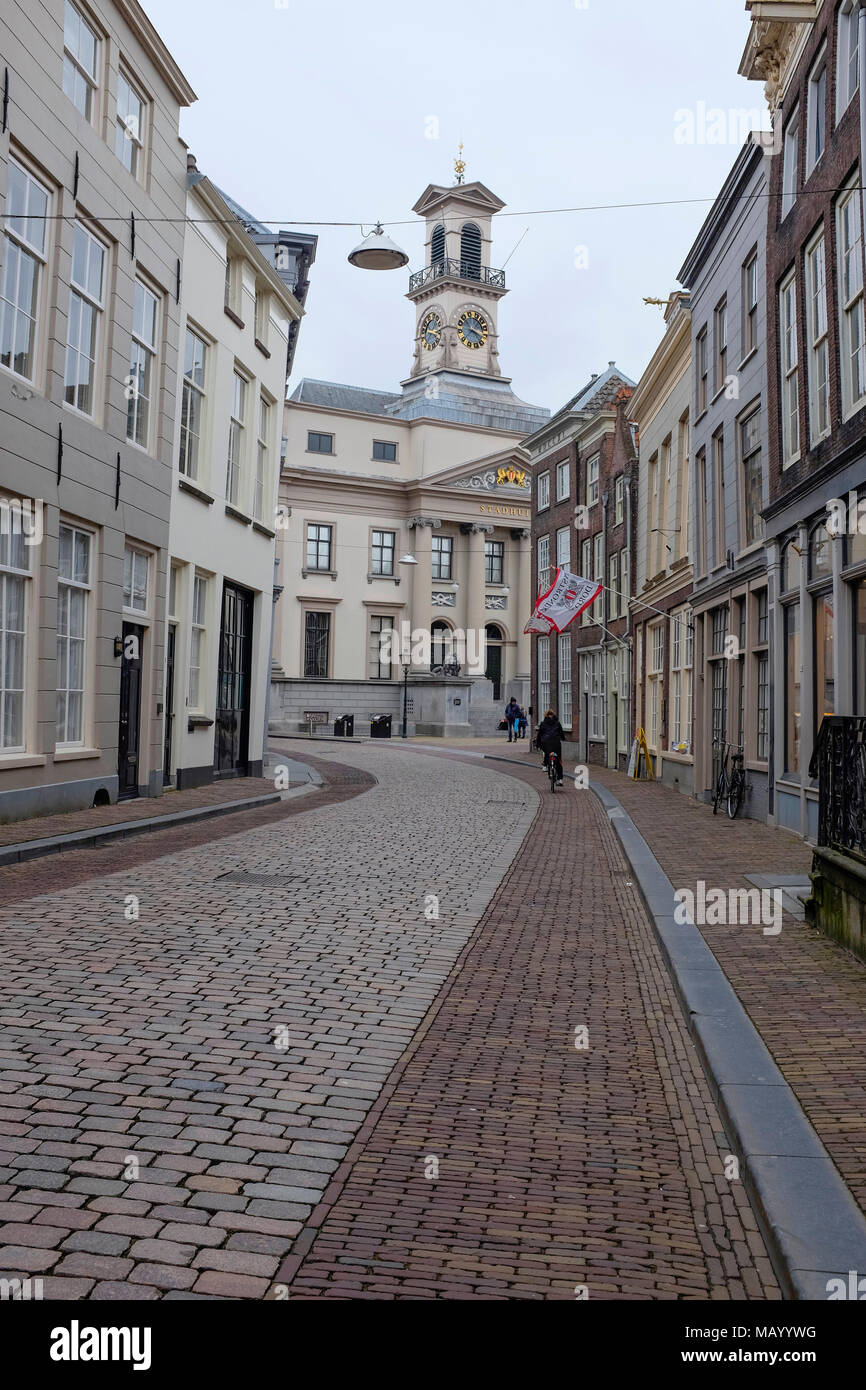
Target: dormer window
(470, 251)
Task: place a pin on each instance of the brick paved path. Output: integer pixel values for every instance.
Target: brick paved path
(557, 1167)
(805, 994)
(176, 1090)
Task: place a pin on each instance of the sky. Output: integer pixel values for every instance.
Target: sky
(345, 110)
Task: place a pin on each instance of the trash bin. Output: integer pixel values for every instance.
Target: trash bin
(344, 727)
(380, 726)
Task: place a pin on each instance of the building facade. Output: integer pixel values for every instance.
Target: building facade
(584, 466)
(725, 273)
(236, 321)
(662, 623)
(405, 549)
(93, 193)
(816, 381)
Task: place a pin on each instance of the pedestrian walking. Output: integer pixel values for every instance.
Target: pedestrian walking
(521, 724)
(512, 714)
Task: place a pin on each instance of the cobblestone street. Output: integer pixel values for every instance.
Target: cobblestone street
(289, 1077)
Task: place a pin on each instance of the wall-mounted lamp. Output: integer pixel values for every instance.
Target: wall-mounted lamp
(118, 646)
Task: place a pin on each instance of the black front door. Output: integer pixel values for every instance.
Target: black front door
(494, 669)
(129, 726)
(231, 741)
(169, 704)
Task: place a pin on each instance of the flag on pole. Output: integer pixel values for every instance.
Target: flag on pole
(567, 596)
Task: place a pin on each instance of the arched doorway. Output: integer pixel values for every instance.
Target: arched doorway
(495, 639)
(441, 644)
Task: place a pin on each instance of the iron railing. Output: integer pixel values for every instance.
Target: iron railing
(839, 763)
(452, 268)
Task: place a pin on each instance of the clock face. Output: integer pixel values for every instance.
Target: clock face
(472, 328)
(431, 331)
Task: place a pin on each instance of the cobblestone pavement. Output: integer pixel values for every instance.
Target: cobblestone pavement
(501, 1161)
(176, 1090)
(805, 994)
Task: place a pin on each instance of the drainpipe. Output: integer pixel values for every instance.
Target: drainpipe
(278, 589)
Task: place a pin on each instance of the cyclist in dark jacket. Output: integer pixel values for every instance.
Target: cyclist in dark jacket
(550, 736)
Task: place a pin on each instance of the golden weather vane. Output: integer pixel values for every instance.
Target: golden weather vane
(459, 164)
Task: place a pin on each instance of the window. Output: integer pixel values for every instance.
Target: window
(564, 671)
(543, 662)
(763, 627)
(790, 161)
(73, 587)
(197, 639)
(443, 547)
(816, 116)
(614, 600)
(233, 284)
(750, 454)
(237, 423)
(819, 378)
(720, 630)
(192, 403)
(847, 57)
(793, 702)
(135, 573)
(470, 251)
(682, 501)
(618, 500)
(598, 575)
(543, 491)
(14, 608)
(441, 644)
(494, 562)
(384, 450)
(317, 644)
(261, 316)
(624, 582)
(543, 564)
(82, 331)
(750, 305)
(597, 695)
(825, 682)
(562, 481)
(173, 573)
(790, 372)
(262, 439)
(141, 381)
(682, 649)
(586, 573)
(129, 131)
(23, 261)
(701, 528)
(592, 481)
(719, 500)
(80, 47)
(381, 639)
(853, 332)
(762, 723)
(563, 547)
(319, 443)
(721, 346)
(701, 370)
(382, 558)
(652, 540)
(319, 546)
(437, 246)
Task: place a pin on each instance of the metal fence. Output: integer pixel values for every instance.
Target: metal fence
(839, 763)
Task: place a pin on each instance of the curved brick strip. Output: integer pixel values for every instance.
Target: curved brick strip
(558, 1168)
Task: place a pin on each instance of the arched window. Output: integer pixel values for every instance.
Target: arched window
(441, 644)
(790, 568)
(493, 651)
(437, 246)
(820, 559)
(470, 251)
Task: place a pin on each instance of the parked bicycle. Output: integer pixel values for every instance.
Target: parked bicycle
(731, 781)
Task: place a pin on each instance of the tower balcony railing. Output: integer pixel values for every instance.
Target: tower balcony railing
(452, 268)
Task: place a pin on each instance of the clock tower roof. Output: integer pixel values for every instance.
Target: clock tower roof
(471, 195)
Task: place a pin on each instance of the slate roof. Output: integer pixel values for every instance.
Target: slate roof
(334, 396)
(598, 392)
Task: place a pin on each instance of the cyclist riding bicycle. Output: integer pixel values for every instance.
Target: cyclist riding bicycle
(549, 738)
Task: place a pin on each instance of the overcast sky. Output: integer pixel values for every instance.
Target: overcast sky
(320, 110)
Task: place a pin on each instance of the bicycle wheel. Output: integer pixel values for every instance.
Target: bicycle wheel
(735, 795)
(721, 791)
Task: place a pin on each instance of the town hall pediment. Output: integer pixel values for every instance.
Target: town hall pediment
(505, 477)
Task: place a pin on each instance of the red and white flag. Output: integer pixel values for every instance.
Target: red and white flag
(567, 596)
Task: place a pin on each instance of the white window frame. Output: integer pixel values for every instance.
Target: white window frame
(750, 305)
(563, 547)
(143, 367)
(592, 476)
(27, 241)
(817, 328)
(596, 686)
(379, 623)
(852, 325)
(720, 346)
(563, 480)
(191, 440)
(598, 574)
(132, 557)
(624, 580)
(618, 499)
(791, 162)
(613, 585)
(543, 491)
(14, 568)
(66, 586)
(816, 112)
(789, 366)
(130, 126)
(86, 297)
(542, 656)
(847, 57)
(543, 563)
(262, 447)
(237, 437)
(586, 573)
(197, 641)
(563, 671)
(72, 61)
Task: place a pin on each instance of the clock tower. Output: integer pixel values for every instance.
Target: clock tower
(457, 292)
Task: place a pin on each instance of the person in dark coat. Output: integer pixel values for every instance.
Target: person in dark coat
(550, 736)
(512, 714)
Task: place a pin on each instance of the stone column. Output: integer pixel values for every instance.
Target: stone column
(476, 612)
(421, 615)
(520, 601)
